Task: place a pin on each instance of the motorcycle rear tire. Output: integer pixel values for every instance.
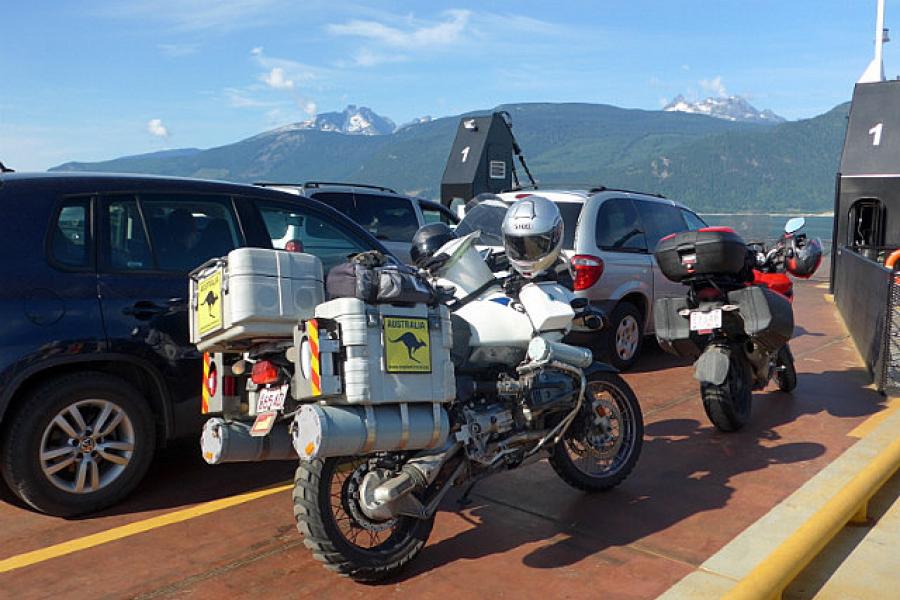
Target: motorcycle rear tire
(787, 378)
(728, 405)
(627, 454)
(317, 521)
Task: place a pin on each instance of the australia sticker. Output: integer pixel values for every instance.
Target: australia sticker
(406, 345)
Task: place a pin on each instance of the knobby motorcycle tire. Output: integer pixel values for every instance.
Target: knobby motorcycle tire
(316, 522)
(562, 462)
(728, 405)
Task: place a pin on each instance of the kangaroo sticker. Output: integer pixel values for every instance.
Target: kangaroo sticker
(209, 305)
(406, 345)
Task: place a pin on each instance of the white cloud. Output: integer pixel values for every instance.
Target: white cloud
(419, 35)
(177, 50)
(241, 98)
(157, 129)
(714, 86)
(257, 51)
(197, 15)
(309, 107)
(277, 80)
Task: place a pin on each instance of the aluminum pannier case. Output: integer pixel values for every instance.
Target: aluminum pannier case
(251, 295)
(358, 353)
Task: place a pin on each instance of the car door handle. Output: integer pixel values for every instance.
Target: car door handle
(144, 310)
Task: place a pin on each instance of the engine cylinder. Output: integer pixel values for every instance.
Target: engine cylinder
(321, 431)
(230, 441)
(541, 349)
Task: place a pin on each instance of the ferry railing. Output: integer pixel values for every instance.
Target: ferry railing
(867, 295)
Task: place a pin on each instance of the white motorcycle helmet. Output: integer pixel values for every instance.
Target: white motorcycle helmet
(532, 235)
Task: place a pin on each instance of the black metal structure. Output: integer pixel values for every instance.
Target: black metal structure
(481, 158)
(867, 229)
(863, 294)
(867, 191)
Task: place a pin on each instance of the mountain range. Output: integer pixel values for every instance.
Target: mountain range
(730, 108)
(712, 164)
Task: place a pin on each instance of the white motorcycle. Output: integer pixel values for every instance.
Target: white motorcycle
(391, 406)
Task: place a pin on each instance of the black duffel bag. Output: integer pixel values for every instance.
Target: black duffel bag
(372, 278)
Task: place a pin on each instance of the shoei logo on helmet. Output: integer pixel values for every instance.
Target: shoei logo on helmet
(523, 226)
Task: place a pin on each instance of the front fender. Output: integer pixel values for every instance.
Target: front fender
(712, 366)
(599, 367)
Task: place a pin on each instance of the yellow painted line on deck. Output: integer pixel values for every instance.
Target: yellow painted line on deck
(864, 428)
(124, 531)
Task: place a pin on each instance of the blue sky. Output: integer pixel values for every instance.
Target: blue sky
(92, 80)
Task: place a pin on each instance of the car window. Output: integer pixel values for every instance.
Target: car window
(188, 229)
(660, 220)
(69, 236)
(692, 220)
(570, 212)
(433, 215)
(342, 201)
(294, 228)
(386, 217)
(126, 248)
(619, 227)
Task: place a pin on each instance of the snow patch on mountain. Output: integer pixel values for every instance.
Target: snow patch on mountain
(353, 120)
(729, 108)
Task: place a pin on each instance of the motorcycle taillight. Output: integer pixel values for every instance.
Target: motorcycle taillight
(264, 372)
(588, 270)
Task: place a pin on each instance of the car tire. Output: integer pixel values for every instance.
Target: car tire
(78, 444)
(620, 344)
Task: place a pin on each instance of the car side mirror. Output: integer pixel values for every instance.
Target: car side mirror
(794, 224)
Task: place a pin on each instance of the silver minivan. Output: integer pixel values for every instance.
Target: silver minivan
(609, 240)
(390, 217)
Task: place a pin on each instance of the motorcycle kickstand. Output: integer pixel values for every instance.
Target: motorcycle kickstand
(464, 500)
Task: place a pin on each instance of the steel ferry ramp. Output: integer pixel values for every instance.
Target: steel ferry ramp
(704, 515)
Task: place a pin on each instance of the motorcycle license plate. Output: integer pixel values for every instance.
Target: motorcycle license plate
(701, 321)
(271, 399)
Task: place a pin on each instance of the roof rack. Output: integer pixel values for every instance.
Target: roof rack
(603, 188)
(319, 184)
(316, 184)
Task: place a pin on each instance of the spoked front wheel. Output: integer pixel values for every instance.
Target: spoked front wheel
(602, 446)
(334, 526)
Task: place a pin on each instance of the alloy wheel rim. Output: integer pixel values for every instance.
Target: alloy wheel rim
(627, 337)
(86, 446)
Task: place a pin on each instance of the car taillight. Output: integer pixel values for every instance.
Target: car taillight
(588, 270)
(294, 246)
(264, 372)
(718, 229)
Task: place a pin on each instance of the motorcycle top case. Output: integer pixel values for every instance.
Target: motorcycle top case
(768, 316)
(252, 294)
(358, 353)
(713, 251)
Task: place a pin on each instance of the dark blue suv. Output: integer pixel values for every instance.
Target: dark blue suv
(96, 370)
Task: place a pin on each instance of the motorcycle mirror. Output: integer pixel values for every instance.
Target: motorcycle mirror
(794, 224)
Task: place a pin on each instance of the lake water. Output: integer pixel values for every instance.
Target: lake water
(770, 227)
